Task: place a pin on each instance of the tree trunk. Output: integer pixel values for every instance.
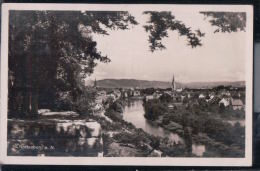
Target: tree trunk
(34, 104)
(25, 103)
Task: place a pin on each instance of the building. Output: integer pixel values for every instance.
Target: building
(183, 97)
(136, 93)
(124, 94)
(237, 104)
(156, 95)
(210, 99)
(111, 96)
(225, 93)
(173, 84)
(95, 83)
(224, 101)
(179, 90)
(149, 97)
(117, 94)
(202, 96)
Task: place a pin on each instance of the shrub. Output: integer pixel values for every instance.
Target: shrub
(154, 109)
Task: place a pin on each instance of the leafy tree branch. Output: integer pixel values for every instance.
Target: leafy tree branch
(226, 21)
(160, 23)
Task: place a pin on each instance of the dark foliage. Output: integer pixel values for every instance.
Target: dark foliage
(162, 22)
(52, 52)
(154, 109)
(227, 21)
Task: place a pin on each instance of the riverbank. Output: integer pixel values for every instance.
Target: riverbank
(122, 138)
(220, 138)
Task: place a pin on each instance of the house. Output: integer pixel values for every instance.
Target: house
(170, 106)
(149, 97)
(202, 96)
(168, 92)
(124, 94)
(112, 96)
(117, 94)
(156, 95)
(179, 90)
(237, 104)
(136, 93)
(224, 101)
(225, 93)
(211, 98)
(183, 97)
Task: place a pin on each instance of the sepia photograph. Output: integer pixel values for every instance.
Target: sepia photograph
(141, 84)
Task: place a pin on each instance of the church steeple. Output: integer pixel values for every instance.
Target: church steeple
(95, 83)
(173, 83)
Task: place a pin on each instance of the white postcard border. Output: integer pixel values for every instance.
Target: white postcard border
(4, 159)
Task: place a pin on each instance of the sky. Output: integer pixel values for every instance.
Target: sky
(221, 58)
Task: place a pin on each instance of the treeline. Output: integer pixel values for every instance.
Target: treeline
(197, 121)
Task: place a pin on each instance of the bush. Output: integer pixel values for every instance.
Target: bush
(82, 103)
(154, 109)
(115, 111)
(166, 98)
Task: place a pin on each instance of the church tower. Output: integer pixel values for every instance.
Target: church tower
(95, 83)
(173, 84)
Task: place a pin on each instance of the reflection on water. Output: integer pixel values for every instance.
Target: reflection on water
(134, 113)
(198, 149)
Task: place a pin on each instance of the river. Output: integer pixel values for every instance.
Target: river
(134, 113)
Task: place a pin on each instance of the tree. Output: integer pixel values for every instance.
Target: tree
(226, 21)
(159, 25)
(166, 98)
(187, 136)
(161, 22)
(221, 108)
(52, 51)
(155, 143)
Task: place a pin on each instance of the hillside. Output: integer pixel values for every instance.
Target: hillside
(197, 85)
(128, 83)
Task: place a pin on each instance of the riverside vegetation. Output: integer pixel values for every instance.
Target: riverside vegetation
(124, 139)
(199, 123)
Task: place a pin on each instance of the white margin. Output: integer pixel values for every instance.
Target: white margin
(120, 161)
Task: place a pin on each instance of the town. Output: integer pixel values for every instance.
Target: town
(209, 122)
(225, 97)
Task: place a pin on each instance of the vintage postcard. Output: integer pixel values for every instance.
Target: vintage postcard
(125, 84)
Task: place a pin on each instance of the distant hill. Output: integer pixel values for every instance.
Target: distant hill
(214, 84)
(128, 83)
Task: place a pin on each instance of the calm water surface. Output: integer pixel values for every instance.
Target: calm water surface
(134, 113)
